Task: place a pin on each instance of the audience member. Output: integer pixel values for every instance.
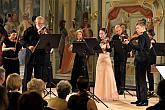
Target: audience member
(13, 84)
(161, 104)
(37, 85)
(30, 100)
(2, 75)
(81, 100)
(59, 102)
(3, 98)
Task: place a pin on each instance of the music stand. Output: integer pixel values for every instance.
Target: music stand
(93, 45)
(159, 49)
(47, 42)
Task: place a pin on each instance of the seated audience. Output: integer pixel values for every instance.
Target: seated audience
(3, 98)
(161, 104)
(2, 75)
(37, 85)
(31, 100)
(13, 84)
(81, 100)
(59, 102)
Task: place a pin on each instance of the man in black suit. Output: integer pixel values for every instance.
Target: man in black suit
(35, 58)
(141, 63)
(152, 61)
(120, 58)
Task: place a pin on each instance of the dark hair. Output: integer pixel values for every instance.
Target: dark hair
(3, 98)
(30, 100)
(143, 20)
(34, 18)
(82, 83)
(9, 15)
(103, 29)
(161, 89)
(151, 32)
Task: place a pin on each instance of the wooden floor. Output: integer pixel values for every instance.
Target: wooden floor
(122, 104)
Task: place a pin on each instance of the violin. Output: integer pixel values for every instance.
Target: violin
(133, 37)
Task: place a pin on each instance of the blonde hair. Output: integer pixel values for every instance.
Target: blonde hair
(37, 85)
(2, 73)
(13, 81)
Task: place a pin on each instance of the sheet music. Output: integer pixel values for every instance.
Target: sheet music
(161, 69)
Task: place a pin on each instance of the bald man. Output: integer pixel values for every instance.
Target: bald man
(120, 58)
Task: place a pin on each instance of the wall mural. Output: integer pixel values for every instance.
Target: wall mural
(9, 6)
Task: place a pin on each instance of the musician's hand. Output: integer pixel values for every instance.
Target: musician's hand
(125, 41)
(31, 48)
(12, 48)
(107, 44)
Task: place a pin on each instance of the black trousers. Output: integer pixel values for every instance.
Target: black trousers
(40, 69)
(10, 66)
(150, 77)
(120, 73)
(140, 77)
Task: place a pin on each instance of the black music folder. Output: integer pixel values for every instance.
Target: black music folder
(94, 45)
(159, 49)
(80, 47)
(49, 41)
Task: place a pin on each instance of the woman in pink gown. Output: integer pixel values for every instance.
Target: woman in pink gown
(105, 84)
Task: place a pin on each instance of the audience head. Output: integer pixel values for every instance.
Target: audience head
(3, 98)
(63, 88)
(13, 82)
(118, 30)
(82, 83)
(37, 85)
(2, 75)
(30, 100)
(161, 90)
(40, 22)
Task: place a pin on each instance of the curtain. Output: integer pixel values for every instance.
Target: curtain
(130, 9)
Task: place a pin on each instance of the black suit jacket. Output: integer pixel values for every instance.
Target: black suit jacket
(142, 49)
(120, 50)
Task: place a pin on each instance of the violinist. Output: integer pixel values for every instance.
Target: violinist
(141, 63)
(34, 58)
(120, 57)
(10, 49)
